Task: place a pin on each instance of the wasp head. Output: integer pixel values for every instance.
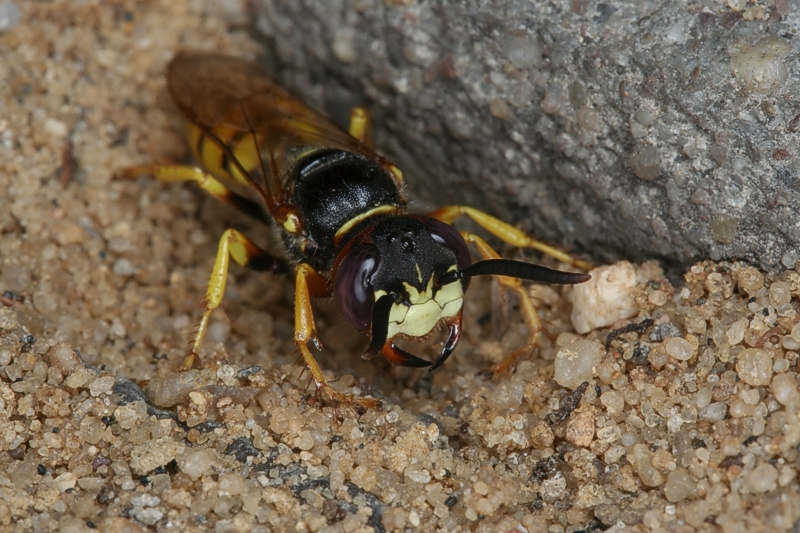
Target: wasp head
(398, 276)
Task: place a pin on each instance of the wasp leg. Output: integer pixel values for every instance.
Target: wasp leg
(207, 182)
(506, 232)
(529, 313)
(310, 283)
(359, 125)
(232, 245)
(359, 129)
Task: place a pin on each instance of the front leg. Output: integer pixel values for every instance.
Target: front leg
(310, 283)
(506, 232)
(529, 313)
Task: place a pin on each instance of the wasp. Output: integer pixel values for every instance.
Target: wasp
(341, 211)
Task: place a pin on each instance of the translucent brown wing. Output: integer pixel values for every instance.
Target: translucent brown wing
(232, 98)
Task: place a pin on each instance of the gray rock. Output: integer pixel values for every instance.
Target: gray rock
(636, 129)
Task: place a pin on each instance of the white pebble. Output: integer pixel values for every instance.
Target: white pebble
(145, 500)
(613, 401)
(658, 298)
(641, 457)
(575, 363)
(789, 342)
(784, 387)
(609, 296)
(419, 476)
(56, 128)
(10, 15)
(197, 464)
(101, 385)
(123, 267)
(796, 332)
(780, 293)
(344, 45)
(65, 481)
(754, 367)
(508, 395)
(761, 479)
(735, 333)
(232, 483)
(679, 348)
(304, 441)
(714, 412)
(679, 486)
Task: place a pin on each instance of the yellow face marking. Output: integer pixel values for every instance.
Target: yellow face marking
(425, 311)
(419, 272)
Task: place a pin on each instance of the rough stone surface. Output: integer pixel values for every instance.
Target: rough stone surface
(636, 128)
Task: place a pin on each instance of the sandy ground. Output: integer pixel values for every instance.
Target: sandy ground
(689, 422)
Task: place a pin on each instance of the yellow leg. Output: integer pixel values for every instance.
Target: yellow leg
(207, 182)
(528, 309)
(359, 129)
(308, 283)
(359, 125)
(232, 245)
(506, 232)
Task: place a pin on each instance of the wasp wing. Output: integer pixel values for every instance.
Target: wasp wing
(258, 127)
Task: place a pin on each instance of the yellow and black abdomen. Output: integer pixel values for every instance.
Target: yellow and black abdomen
(334, 191)
(243, 146)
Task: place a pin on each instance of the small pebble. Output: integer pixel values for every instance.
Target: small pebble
(613, 401)
(65, 481)
(658, 298)
(52, 126)
(754, 367)
(735, 333)
(580, 429)
(750, 279)
(10, 15)
(174, 388)
(714, 412)
(762, 478)
(679, 486)
(780, 293)
(123, 267)
(604, 299)
(796, 332)
(101, 385)
(576, 362)
(679, 348)
(64, 358)
(232, 484)
(508, 395)
(197, 463)
(641, 457)
(785, 389)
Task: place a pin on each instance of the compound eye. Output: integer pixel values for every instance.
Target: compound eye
(449, 237)
(352, 286)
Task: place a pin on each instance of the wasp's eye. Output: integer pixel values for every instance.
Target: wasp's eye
(352, 286)
(449, 237)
